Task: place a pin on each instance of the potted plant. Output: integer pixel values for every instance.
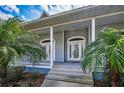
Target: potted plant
(107, 49)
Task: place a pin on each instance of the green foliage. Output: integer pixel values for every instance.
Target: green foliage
(107, 49)
(15, 73)
(16, 42)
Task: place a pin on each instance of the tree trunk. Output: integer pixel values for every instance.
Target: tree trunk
(4, 75)
(114, 78)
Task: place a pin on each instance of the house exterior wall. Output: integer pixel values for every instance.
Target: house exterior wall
(61, 39)
(61, 46)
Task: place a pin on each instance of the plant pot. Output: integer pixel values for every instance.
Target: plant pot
(98, 78)
(101, 79)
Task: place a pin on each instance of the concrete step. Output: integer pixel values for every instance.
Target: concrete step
(62, 73)
(66, 72)
(55, 83)
(66, 78)
(80, 75)
(67, 69)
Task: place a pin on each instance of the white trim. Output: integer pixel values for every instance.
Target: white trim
(86, 19)
(39, 66)
(93, 30)
(51, 44)
(47, 39)
(40, 28)
(76, 37)
(93, 37)
(89, 34)
(63, 38)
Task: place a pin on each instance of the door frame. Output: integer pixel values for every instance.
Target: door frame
(75, 42)
(54, 45)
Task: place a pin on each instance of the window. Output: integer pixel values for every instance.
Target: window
(76, 39)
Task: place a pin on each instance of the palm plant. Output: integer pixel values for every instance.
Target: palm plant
(15, 42)
(107, 49)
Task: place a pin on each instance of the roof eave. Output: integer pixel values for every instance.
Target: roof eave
(61, 14)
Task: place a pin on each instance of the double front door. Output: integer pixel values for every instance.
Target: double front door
(75, 51)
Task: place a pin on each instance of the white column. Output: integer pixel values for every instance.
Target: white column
(93, 30)
(63, 42)
(51, 44)
(93, 38)
(89, 34)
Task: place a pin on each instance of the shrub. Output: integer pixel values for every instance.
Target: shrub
(14, 72)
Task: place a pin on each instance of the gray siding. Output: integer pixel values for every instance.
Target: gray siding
(59, 47)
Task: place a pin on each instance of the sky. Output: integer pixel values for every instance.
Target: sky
(32, 12)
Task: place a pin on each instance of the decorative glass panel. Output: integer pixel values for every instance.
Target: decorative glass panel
(76, 51)
(46, 41)
(70, 51)
(49, 51)
(76, 39)
(82, 51)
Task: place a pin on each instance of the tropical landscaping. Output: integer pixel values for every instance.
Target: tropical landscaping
(105, 58)
(15, 43)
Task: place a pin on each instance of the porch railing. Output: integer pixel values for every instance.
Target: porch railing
(41, 64)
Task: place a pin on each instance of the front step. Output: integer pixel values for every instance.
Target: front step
(70, 73)
(66, 75)
(70, 76)
(66, 78)
(67, 70)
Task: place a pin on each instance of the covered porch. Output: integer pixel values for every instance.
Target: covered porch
(85, 23)
(89, 27)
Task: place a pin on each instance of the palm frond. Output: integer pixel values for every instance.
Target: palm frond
(16, 42)
(107, 48)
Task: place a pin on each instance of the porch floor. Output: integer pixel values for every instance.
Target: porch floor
(67, 75)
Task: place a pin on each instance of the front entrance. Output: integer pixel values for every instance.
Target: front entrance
(47, 48)
(75, 48)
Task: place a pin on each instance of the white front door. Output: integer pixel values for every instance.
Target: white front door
(75, 51)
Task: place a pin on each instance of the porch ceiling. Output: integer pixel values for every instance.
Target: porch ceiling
(84, 24)
(66, 27)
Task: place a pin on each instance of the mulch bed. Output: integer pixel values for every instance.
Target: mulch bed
(27, 80)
